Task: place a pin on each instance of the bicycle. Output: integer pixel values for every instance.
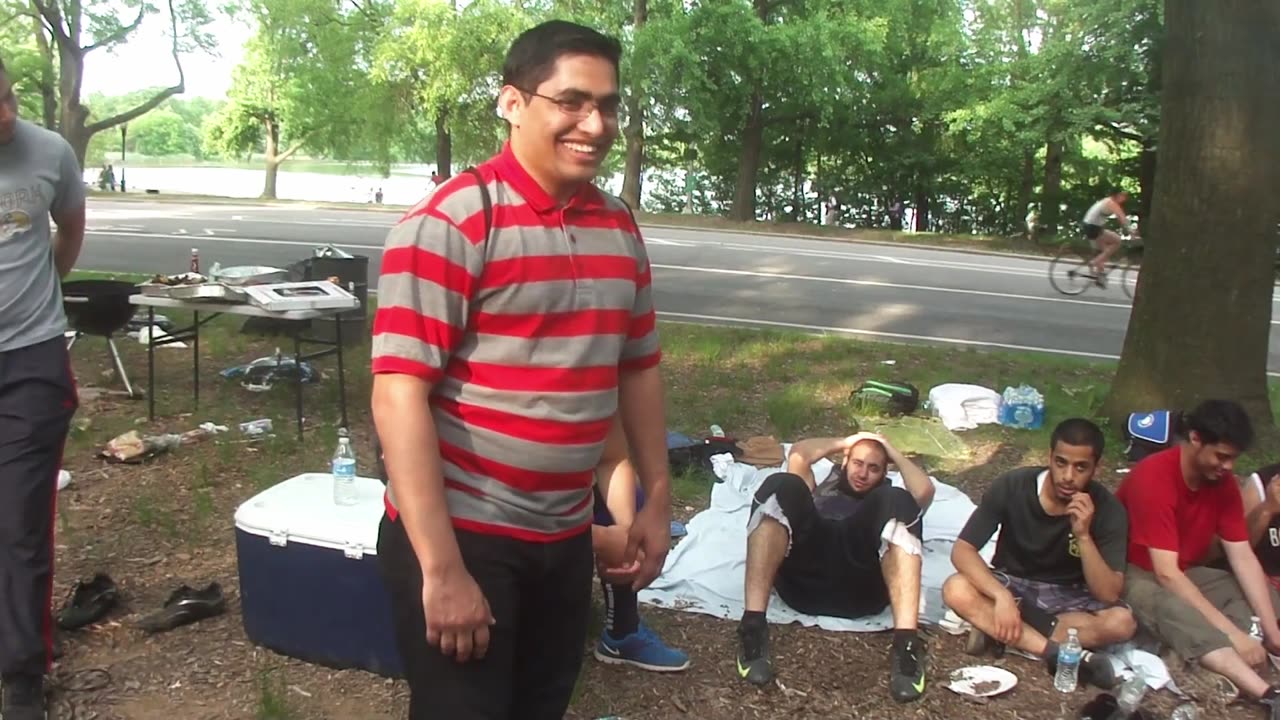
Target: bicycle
(1071, 274)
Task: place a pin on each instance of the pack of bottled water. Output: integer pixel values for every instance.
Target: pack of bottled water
(1022, 407)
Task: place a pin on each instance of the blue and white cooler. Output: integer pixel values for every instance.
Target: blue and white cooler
(310, 585)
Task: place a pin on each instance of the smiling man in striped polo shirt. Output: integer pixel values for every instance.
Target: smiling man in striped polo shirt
(504, 345)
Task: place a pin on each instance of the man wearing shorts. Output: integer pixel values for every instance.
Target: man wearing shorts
(1059, 563)
(1095, 231)
(846, 547)
(1178, 501)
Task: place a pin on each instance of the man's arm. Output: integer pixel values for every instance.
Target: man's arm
(915, 480)
(1104, 583)
(69, 238)
(1259, 509)
(1121, 216)
(642, 408)
(970, 564)
(804, 453)
(1248, 572)
(1164, 563)
(415, 472)
(616, 477)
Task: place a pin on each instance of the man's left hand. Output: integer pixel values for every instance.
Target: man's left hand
(1080, 510)
(648, 543)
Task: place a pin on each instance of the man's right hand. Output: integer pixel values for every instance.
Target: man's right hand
(1008, 619)
(1248, 648)
(457, 614)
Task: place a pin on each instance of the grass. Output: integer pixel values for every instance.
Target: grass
(273, 700)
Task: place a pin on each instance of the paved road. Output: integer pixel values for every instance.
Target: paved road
(890, 292)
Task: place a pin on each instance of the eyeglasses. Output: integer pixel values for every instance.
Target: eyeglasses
(581, 105)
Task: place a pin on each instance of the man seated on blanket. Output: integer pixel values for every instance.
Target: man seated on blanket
(847, 547)
(624, 640)
(1059, 562)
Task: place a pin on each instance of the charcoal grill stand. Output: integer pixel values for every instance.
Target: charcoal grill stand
(203, 312)
(111, 345)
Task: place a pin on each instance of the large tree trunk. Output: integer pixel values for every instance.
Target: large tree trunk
(634, 132)
(444, 146)
(921, 200)
(272, 129)
(48, 83)
(1051, 200)
(1147, 179)
(744, 192)
(1201, 318)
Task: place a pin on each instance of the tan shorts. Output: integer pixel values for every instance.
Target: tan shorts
(1177, 624)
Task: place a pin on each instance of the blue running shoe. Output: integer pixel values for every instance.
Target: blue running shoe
(642, 649)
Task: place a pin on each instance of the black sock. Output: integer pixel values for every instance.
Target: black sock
(1050, 650)
(1271, 695)
(901, 636)
(621, 611)
(753, 619)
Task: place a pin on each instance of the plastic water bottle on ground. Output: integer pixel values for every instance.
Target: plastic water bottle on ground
(1064, 680)
(717, 431)
(1185, 711)
(1130, 695)
(1255, 628)
(344, 471)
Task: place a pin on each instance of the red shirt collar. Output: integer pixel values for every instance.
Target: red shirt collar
(509, 169)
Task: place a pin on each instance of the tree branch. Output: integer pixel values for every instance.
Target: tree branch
(1126, 134)
(120, 34)
(294, 148)
(53, 18)
(159, 97)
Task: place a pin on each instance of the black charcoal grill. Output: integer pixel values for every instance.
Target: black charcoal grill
(100, 308)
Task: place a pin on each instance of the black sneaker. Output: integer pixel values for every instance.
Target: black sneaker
(753, 655)
(906, 670)
(1095, 669)
(23, 697)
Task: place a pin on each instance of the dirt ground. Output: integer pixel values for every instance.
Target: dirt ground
(167, 522)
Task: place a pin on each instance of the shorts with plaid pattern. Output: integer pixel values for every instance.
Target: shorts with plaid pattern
(1053, 598)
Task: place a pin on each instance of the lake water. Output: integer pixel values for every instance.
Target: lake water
(407, 184)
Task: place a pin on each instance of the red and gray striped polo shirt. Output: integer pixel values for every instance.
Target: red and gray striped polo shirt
(523, 334)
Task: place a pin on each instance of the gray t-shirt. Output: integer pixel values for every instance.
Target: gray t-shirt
(39, 175)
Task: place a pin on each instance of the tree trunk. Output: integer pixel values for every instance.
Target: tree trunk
(744, 193)
(444, 146)
(273, 159)
(798, 213)
(1201, 316)
(634, 132)
(1025, 187)
(922, 210)
(48, 84)
(73, 114)
(1147, 178)
(1051, 201)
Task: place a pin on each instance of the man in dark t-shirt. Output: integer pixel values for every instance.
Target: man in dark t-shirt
(1059, 563)
(1260, 493)
(848, 546)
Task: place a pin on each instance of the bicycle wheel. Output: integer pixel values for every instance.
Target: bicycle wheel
(1069, 272)
(1129, 277)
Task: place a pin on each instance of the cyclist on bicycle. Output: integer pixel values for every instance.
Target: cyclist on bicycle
(1106, 241)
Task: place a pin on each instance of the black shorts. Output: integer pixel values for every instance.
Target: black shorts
(1091, 231)
(833, 565)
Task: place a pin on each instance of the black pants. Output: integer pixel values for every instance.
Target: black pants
(540, 596)
(37, 401)
(833, 566)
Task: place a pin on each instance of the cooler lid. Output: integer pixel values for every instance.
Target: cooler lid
(301, 509)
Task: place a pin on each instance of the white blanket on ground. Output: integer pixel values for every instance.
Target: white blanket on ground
(704, 573)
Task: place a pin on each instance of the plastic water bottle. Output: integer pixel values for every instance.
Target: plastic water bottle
(1255, 628)
(1022, 416)
(717, 431)
(1130, 695)
(1185, 711)
(344, 471)
(1064, 680)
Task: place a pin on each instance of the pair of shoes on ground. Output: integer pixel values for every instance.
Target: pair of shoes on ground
(642, 649)
(1095, 668)
(91, 600)
(906, 662)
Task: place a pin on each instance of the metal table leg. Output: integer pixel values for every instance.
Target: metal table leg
(342, 373)
(151, 364)
(297, 385)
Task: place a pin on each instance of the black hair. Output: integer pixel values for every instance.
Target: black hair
(532, 57)
(1219, 421)
(1080, 433)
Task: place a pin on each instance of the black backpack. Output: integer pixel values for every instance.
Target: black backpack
(891, 398)
(1150, 432)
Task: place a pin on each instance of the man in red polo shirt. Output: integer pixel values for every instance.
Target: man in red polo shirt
(1178, 501)
(508, 335)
